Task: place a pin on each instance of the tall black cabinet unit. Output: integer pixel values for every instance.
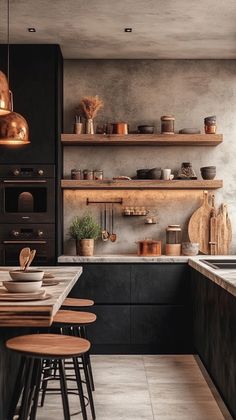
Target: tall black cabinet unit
(36, 80)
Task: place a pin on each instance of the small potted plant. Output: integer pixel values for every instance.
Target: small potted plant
(84, 230)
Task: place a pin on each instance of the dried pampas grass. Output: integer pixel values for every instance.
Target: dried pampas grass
(90, 106)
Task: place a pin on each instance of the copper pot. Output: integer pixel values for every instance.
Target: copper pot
(120, 128)
(149, 248)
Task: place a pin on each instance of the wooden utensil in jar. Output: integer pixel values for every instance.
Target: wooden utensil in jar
(31, 257)
(24, 257)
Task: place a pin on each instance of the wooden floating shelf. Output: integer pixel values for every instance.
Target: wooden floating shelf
(141, 139)
(142, 184)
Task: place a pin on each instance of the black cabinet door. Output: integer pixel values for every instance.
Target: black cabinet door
(36, 83)
(161, 327)
(160, 283)
(104, 283)
(112, 325)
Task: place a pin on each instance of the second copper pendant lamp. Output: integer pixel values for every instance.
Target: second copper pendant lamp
(14, 129)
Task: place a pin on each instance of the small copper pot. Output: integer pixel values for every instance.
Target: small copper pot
(120, 128)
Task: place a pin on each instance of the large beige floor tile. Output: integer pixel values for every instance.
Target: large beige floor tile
(180, 392)
(187, 411)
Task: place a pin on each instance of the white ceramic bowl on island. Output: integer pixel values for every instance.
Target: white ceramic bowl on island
(27, 275)
(22, 287)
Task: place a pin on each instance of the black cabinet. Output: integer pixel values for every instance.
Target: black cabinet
(36, 80)
(160, 283)
(163, 327)
(141, 307)
(104, 283)
(214, 328)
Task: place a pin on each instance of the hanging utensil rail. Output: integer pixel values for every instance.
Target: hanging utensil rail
(118, 201)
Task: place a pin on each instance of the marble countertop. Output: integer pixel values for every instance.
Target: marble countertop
(40, 312)
(226, 278)
(121, 258)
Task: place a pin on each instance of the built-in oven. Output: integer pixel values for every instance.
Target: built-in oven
(27, 212)
(27, 194)
(40, 237)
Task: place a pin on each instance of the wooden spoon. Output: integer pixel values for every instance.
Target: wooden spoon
(105, 233)
(24, 257)
(113, 236)
(31, 257)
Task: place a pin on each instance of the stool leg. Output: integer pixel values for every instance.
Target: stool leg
(81, 332)
(64, 394)
(17, 389)
(80, 388)
(38, 373)
(88, 385)
(25, 403)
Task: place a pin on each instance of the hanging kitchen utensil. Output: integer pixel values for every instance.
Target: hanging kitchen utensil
(224, 230)
(213, 229)
(199, 225)
(113, 235)
(31, 257)
(24, 257)
(105, 233)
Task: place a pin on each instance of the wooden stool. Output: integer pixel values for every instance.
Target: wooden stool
(76, 322)
(36, 348)
(77, 303)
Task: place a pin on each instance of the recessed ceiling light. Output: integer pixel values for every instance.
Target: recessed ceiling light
(31, 30)
(128, 29)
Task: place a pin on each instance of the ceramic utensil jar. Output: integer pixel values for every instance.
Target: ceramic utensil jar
(173, 240)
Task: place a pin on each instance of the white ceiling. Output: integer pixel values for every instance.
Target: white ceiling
(95, 28)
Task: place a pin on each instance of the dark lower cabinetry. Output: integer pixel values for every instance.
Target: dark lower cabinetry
(140, 307)
(214, 334)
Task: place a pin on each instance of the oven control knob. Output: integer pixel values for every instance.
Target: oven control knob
(40, 232)
(16, 172)
(15, 233)
(40, 172)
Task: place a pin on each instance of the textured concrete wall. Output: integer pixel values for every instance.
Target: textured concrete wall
(139, 92)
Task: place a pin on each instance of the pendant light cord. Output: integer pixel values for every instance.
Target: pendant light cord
(8, 39)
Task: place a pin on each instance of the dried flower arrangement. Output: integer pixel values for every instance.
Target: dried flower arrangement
(90, 106)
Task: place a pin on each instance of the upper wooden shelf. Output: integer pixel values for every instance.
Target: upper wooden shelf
(141, 139)
(109, 184)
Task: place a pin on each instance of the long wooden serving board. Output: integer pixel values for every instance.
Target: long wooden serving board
(199, 225)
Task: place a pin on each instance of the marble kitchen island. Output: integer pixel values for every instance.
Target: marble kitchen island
(19, 318)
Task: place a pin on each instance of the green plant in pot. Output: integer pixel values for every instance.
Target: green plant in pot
(84, 230)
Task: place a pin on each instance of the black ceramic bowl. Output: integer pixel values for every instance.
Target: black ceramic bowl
(143, 173)
(146, 129)
(208, 172)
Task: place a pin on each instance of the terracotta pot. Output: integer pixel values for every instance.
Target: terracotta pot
(85, 247)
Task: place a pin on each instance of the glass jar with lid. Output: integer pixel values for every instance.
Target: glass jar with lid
(88, 174)
(173, 240)
(167, 124)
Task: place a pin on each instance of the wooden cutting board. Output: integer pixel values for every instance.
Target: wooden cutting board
(199, 225)
(224, 228)
(213, 229)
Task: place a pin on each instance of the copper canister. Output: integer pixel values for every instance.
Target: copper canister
(120, 128)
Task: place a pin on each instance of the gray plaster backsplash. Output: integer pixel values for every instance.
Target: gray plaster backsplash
(139, 92)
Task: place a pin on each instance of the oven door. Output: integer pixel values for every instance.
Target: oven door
(28, 201)
(45, 251)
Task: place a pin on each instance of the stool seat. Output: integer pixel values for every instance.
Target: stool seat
(78, 303)
(44, 345)
(73, 318)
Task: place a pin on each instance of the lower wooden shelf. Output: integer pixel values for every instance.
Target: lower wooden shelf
(110, 184)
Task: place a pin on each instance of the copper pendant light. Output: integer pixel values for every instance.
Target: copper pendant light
(5, 98)
(13, 127)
